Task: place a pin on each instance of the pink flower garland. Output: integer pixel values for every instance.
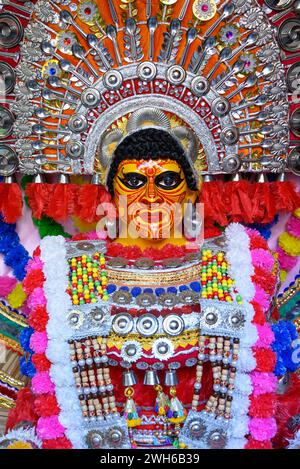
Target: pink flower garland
(7, 284)
(41, 383)
(38, 342)
(262, 429)
(48, 428)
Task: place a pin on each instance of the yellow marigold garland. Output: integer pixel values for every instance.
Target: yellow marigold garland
(289, 244)
(19, 445)
(17, 297)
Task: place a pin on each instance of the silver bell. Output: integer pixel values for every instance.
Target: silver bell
(171, 378)
(151, 378)
(63, 179)
(262, 177)
(129, 378)
(39, 179)
(96, 179)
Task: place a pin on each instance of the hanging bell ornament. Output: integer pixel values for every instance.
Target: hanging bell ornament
(171, 378)
(177, 413)
(96, 179)
(63, 179)
(151, 378)
(161, 402)
(130, 409)
(129, 378)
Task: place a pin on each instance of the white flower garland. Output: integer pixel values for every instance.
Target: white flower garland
(26, 435)
(56, 269)
(241, 269)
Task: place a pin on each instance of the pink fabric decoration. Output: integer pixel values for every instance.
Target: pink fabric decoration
(263, 382)
(262, 258)
(262, 429)
(37, 298)
(286, 261)
(38, 342)
(41, 383)
(7, 284)
(49, 428)
(265, 336)
(262, 298)
(293, 226)
(34, 264)
(25, 309)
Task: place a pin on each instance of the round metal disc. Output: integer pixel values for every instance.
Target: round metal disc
(231, 164)
(122, 324)
(11, 30)
(6, 122)
(200, 86)
(112, 80)
(117, 262)
(289, 35)
(220, 107)
(173, 325)
(293, 77)
(295, 122)
(279, 5)
(216, 439)
(172, 262)
(144, 263)
(147, 71)
(147, 325)
(90, 98)
(75, 149)
(176, 74)
(293, 161)
(77, 123)
(8, 161)
(7, 77)
(84, 246)
(229, 135)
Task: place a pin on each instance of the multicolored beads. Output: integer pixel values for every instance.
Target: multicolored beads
(215, 280)
(87, 279)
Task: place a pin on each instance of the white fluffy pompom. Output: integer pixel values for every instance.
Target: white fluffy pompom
(69, 419)
(246, 361)
(57, 351)
(243, 383)
(76, 439)
(62, 375)
(240, 426)
(240, 404)
(69, 398)
(236, 443)
(250, 336)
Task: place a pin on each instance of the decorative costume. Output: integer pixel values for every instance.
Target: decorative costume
(133, 344)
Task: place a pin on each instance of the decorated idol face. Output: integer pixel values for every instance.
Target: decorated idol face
(153, 193)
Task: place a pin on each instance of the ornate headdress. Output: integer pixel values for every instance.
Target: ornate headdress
(89, 75)
(142, 119)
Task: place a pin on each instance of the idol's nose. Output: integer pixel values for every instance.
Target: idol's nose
(151, 194)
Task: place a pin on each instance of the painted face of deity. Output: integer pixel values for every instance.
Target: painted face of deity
(153, 193)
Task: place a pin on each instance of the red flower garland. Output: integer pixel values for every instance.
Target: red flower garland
(34, 279)
(41, 362)
(263, 405)
(46, 405)
(38, 318)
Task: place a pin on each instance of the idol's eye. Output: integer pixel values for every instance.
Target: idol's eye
(168, 180)
(134, 180)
